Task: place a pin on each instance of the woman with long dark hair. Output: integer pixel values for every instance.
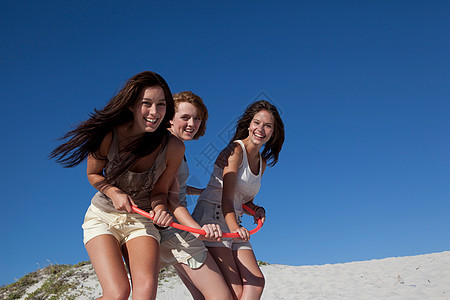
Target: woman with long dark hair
(132, 159)
(236, 179)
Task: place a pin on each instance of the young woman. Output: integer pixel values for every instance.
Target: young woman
(183, 250)
(236, 180)
(132, 159)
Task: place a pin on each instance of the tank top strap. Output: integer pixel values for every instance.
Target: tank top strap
(114, 147)
(245, 159)
(244, 151)
(260, 165)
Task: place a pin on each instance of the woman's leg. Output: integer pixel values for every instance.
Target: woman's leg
(106, 258)
(195, 293)
(205, 282)
(252, 277)
(142, 257)
(225, 261)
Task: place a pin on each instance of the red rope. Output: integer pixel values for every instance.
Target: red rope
(200, 231)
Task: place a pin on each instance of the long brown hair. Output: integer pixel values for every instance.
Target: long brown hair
(86, 138)
(273, 146)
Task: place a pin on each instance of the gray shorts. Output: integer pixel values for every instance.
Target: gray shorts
(209, 213)
(182, 247)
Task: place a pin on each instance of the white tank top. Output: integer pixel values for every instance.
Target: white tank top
(247, 185)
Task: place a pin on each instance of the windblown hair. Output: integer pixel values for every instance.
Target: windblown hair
(195, 100)
(87, 137)
(273, 146)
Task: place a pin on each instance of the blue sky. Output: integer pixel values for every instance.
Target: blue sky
(362, 86)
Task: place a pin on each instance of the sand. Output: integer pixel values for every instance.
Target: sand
(411, 277)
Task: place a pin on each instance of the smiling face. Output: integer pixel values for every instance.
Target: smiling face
(149, 110)
(261, 127)
(186, 121)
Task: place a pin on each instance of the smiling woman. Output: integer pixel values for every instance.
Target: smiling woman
(186, 121)
(132, 159)
(236, 179)
(191, 116)
(149, 111)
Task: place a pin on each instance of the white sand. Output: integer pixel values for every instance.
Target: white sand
(412, 277)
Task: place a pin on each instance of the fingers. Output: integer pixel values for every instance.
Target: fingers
(127, 205)
(122, 202)
(263, 219)
(132, 202)
(162, 218)
(212, 232)
(243, 233)
(260, 214)
(219, 230)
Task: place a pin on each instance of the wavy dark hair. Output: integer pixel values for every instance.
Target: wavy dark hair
(273, 146)
(87, 136)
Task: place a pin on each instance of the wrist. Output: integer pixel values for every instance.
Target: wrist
(259, 208)
(111, 191)
(234, 229)
(159, 207)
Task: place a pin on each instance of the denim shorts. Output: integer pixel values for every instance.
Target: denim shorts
(210, 213)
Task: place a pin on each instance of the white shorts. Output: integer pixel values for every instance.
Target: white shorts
(123, 226)
(209, 213)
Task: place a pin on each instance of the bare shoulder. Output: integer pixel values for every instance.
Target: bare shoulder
(231, 154)
(175, 146)
(96, 161)
(264, 165)
(106, 143)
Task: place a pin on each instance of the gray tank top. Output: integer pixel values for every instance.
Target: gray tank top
(183, 174)
(137, 185)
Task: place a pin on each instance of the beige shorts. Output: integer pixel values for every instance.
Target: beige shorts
(183, 248)
(209, 213)
(123, 226)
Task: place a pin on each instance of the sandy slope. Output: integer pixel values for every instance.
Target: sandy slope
(412, 277)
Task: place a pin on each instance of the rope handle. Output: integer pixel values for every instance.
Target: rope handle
(201, 231)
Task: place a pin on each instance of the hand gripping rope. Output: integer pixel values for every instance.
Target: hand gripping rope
(200, 231)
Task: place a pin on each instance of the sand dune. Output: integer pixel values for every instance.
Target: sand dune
(414, 277)
(411, 277)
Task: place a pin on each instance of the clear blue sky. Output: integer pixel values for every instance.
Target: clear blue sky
(363, 88)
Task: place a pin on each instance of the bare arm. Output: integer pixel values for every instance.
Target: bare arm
(121, 200)
(260, 212)
(230, 172)
(190, 190)
(213, 231)
(160, 191)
